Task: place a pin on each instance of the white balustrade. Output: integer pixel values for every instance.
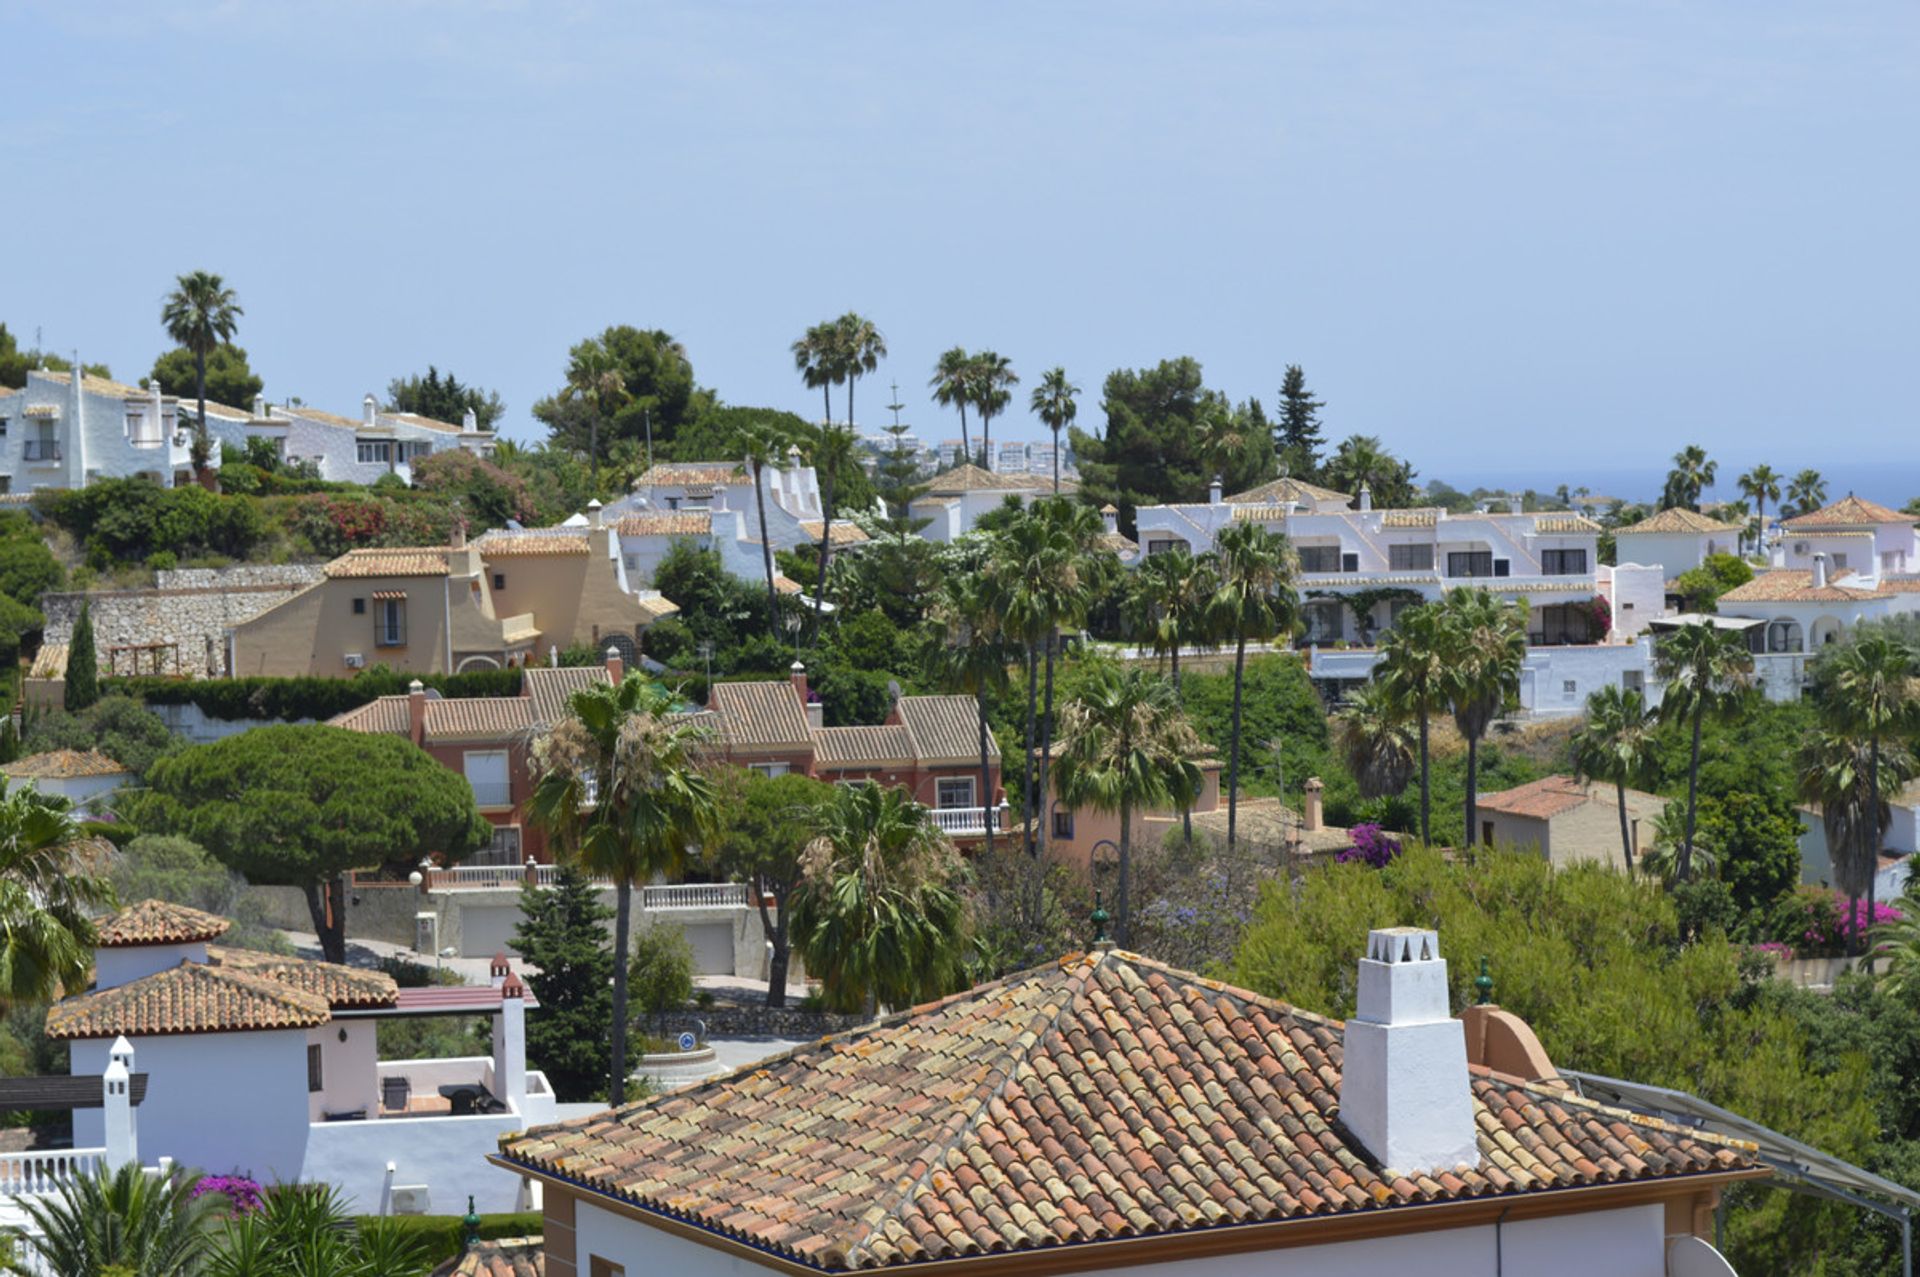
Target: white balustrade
(32, 1174)
(968, 820)
(695, 895)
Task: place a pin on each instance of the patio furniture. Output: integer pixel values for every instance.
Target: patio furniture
(348, 1115)
(463, 1097)
(396, 1092)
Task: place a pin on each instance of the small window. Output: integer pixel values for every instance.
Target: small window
(1349, 563)
(1626, 607)
(1563, 562)
(598, 1267)
(499, 580)
(953, 791)
(1569, 688)
(359, 607)
(390, 623)
(314, 1079)
(1839, 559)
(1410, 558)
(1063, 825)
(770, 770)
(1502, 567)
(1470, 563)
(1486, 833)
(1319, 558)
(3, 427)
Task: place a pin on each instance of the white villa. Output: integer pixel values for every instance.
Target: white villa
(86, 778)
(360, 450)
(1675, 540)
(955, 499)
(61, 432)
(1857, 536)
(269, 1066)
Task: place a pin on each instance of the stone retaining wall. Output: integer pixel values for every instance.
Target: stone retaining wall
(190, 610)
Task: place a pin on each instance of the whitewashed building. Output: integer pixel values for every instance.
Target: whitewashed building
(955, 499)
(59, 432)
(362, 449)
(1858, 536)
(1675, 540)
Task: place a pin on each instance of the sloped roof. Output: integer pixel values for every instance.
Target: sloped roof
(944, 728)
(1551, 796)
(1676, 519)
(844, 532)
(507, 1257)
(1564, 523)
(428, 423)
(63, 764)
(159, 922)
(968, 477)
(1410, 518)
(194, 997)
(678, 474)
(548, 689)
(1097, 1098)
(100, 385)
(407, 560)
(51, 662)
(1271, 822)
(534, 544)
(1795, 585)
(341, 986)
(382, 714)
(666, 523)
(1280, 490)
(1848, 512)
(862, 746)
(478, 718)
(760, 714)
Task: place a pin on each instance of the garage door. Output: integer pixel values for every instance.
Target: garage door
(712, 948)
(487, 930)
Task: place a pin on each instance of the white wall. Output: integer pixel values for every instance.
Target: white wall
(1615, 1243)
(1638, 592)
(1671, 552)
(447, 1154)
(115, 967)
(348, 1070)
(217, 1102)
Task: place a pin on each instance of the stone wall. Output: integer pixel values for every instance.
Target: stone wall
(189, 611)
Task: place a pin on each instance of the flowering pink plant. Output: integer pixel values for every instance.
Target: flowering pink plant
(1371, 845)
(244, 1193)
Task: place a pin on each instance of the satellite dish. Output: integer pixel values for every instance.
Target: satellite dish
(1691, 1257)
(688, 1042)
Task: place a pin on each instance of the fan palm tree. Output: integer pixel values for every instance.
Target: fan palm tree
(1222, 438)
(816, 357)
(1616, 744)
(1692, 473)
(1486, 644)
(1053, 402)
(1707, 671)
(1413, 669)
(832, 447)
(878, 914)
(1090, 568)
(1125, 746)
(619, 788)
(1899, 940)
(1362, 461)
(952, 387)
(1254, 602)
(1807, 492)
(1761, 485)
(1845, 778)
(1661, 861)
(989, 376)
(861, 347)
(117, 1222)
(594, 381)
(1171, 608)
(200, 313)
(49, 893)
(1370, 731)
(967, 615)
(1873, 683)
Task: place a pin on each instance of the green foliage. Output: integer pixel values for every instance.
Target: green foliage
(1701, 587)
(486, 495)
(289, 699)
(443, 1236)
(230, 379)
(116, 725)
(563, 937)
(1296, 433)
(17, 620)
(660, 974)
(179, 870)
(305, 1228)
(1279, 705)
(15, 363)
(1363, 461)
(657, 381)
(444, 399)
(1756, 843)
(127, 520)
(715, 607)
(27, 567)
(122, 1221)
(83, 664)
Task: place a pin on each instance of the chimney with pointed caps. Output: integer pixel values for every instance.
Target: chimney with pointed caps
(1404, 1091)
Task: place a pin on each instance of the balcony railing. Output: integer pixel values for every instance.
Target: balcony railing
(695, 895)
(961, 822)
(33, 1174)
(43, 450)
(492, 793)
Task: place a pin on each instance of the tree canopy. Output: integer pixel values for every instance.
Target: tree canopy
(444, 398)
(230, 379)
(657, 379)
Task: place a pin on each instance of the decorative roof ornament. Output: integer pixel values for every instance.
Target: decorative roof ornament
(1483, 985)
(1099, 918)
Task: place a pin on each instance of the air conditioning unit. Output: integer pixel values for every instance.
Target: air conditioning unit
(356, 660)
(411, 1199)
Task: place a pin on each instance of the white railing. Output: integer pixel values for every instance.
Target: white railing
(695, 895)
(478, 877)
(32, 1174)
(968, 820)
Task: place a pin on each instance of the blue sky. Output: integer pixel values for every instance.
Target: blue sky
(1508, 239)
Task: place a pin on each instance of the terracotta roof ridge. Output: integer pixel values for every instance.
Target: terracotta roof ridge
(1220, 988)
(1571, 1098)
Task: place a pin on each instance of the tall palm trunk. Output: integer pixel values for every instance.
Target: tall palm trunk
(986, 441)
(593, 453)
(1186, 809)
(1626, 835)
(1056, 461)
(826, 539)
(851, 378)
(1473, 787)
(1125, 913)
(1693, 794)
(774, 924)
(826, 396)
(203, 447)
(1426, 790)
(622, 919)
(1026, 770)
(986, 771)
(1046, 750)
(1873, 858)
(766, 554)
(966, 446)
(1233, 750)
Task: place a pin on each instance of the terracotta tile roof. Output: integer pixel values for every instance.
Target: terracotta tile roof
(323, 418)
(1270, 822)
(678, 474)
(508, 1257)
(944, 728)
(781, 582)
(51, 662)
(1849, 511)
(1795, 585)
(383, 714)
(844, 533)
(1098, 1098)
(341, 986)
(668, 523)
(527, 545)
(1674, 519)
(759, 714)
(1552, 796)
(101, 386)
(1410, 519)
(1118, 544)
(548, 689)
(193, 997)
(1564, 523)
(971, 478)
(862, 746)
(63, 764)
(397, 561)
(1288, 489)
(478, 718)
(1900, 584)
(159, 922)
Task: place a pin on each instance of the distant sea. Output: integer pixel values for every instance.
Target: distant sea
(1892, 482)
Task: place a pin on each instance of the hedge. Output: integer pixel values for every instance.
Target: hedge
(291, 699)
(444, 1234)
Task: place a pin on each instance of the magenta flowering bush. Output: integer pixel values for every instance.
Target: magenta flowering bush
(1815, 922)
(245, 1194)
(1371, 845)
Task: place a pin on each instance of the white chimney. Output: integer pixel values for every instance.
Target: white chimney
(718, 502)
(259, 405)
(593, 512)
(1820, 570)
(1110, 517)
(1366, 497)
(1213, 491)
(468, 422)
(369, 410)
(1403, 1087)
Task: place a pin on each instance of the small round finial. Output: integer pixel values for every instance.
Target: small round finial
(1483, 985)
(472, 1222)
(1099, 918)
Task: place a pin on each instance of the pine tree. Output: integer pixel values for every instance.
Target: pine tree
(83, 667)
(1296, 435)
(563, 933)
(898, 476)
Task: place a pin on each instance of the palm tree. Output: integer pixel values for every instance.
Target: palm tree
(763, 445)
(968, 614)
(832, 447)
(1126, 746)
(816, 358)
(1254, 601)
(988, 377)
(1413, 669)
(309, 1228)
(878, 915)
(1052, 402)
(1872, 685)
(1661, 861)
(49, 894)
(1843, 776)
(1616, 744)
(861, 348)
(1486, 644)
(1692, 473)
(1221, 438)
(1707, 671)
(1171, 605)
(200, 313)
(1807, 492)
(1370, 731)
(121, 1221)
(1089, 569)
(1362, 461)
(952, 387)
(618, 787)
(1899, 940)
(594, 381)
(1761, 485)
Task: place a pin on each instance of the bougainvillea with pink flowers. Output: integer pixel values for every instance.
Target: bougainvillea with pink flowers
(1371, 845)
(245, 1193)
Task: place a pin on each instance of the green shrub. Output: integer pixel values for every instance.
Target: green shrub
(292, 699)
(660, 977)
(443, 1235)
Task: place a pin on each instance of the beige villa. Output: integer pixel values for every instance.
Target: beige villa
(499, 601)
(1568, 821)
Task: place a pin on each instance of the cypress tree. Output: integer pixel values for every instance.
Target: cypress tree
(1296, 436)
(83, 667)
(564, 934)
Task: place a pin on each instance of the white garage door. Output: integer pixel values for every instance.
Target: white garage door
(712, 948)
(487, 930)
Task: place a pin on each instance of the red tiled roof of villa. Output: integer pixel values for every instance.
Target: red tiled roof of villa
(1848, 512)
(194, 997)
(153, 922)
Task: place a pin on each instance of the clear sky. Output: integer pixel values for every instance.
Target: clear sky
(1556, 237)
